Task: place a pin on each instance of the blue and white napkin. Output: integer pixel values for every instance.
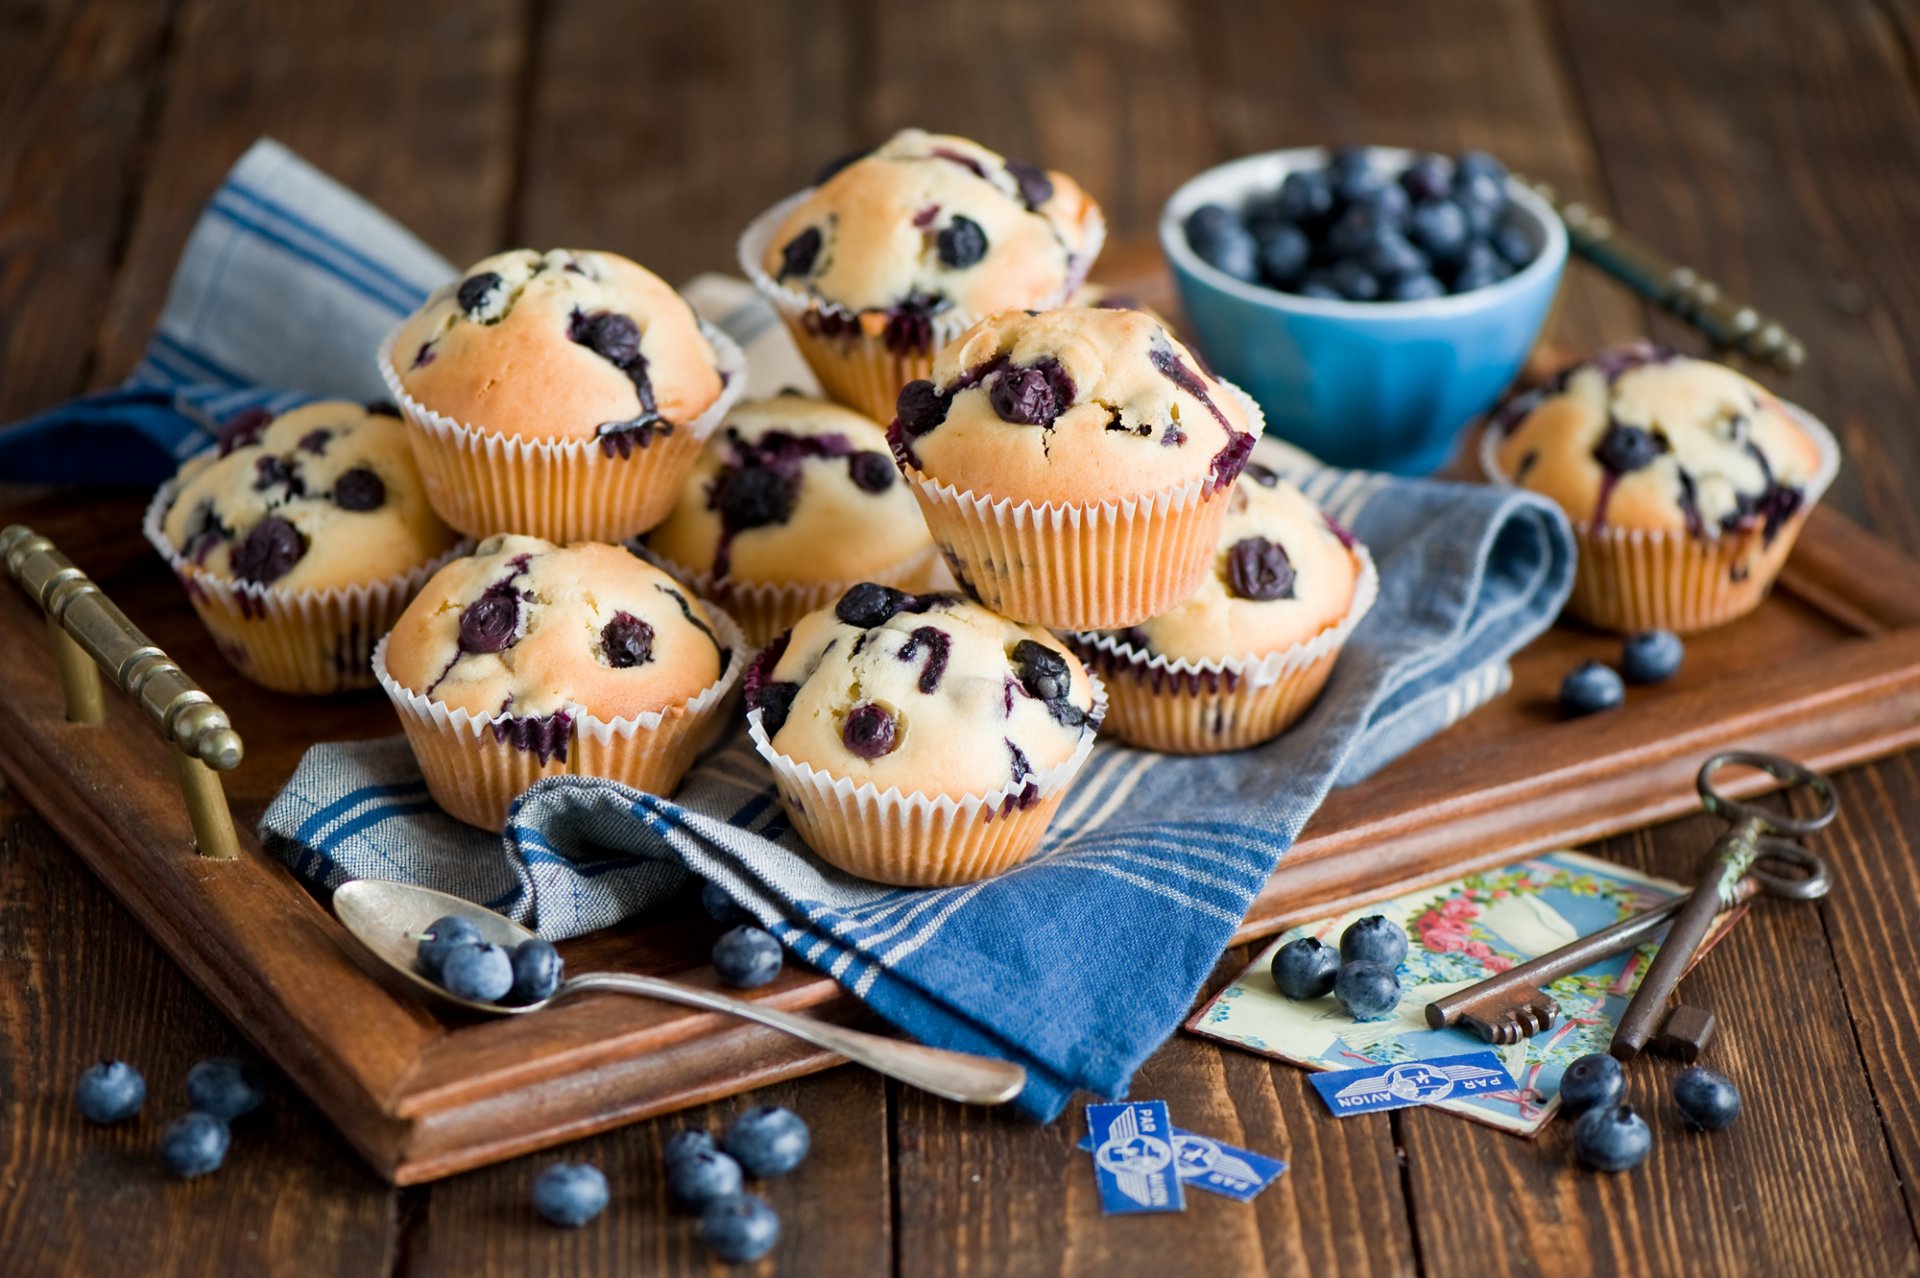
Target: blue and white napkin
(1079, 963)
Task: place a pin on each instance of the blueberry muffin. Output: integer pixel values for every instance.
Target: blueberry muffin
(1073, 465)
(792, 501)
(524, 660)
(563, 394)
(1243, 657)
(300, 539)
(920, 739)
(1686, 483)
(892, 253)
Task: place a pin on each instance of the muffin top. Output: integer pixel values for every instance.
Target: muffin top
(1282, 575)
(793, 489)
(323, 496)
(929, 693)
(559, 345)
(530, 629)
(928, 223)
(1079, 405)
(1643, 437)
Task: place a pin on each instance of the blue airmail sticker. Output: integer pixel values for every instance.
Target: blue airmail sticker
(1378, 1087)
(1217, 1167)
(1134, 1159)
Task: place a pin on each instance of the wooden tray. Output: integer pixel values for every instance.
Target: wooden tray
(1828, 671)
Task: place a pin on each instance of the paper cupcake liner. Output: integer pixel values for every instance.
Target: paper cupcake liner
(564, 490)
(309, 642)
(1226, 703)
(766, 609)
(1099, 566)
(1631, 580)
(856, 367)
(475, 770)
(918, 839)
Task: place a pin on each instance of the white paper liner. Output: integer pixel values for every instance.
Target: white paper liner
(309, 642)
(766, 609)
(859, 371)
(561, 489)
(1215, 704)
(920, 839)
(1632, 580)
(476, 776)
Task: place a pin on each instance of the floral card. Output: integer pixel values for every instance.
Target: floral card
(1459, 933)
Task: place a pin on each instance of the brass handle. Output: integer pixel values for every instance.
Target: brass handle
(90, 634)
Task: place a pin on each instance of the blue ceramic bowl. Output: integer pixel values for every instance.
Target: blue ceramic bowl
(1381, 385)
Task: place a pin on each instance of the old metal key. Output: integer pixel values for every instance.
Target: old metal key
(1754, 835)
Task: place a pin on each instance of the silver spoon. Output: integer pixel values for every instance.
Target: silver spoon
(388, 918)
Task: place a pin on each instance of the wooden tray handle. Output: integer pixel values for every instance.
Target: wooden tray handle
(89, 634)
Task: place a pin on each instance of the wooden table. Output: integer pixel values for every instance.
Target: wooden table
(1773, 143)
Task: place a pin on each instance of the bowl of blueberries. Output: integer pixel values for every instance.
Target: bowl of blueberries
(1374, 300)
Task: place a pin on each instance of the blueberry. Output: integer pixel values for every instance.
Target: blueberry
(570, 1194)
(1427, 178)
(1625, 449)
(872, 472)
(224, 1087)
(1389, 256)
(755, 497)
(270, 548)
(1653, 657)
(718, 905)
(315, 441)
(1513, 244)
(194, 1144)
(374, 407)
(740, 1229)
(798, 256)
(768, 1140)
(1304, 968)
(1284, 250)
(1036, 188)
(1480, 164)
(869, 604)
(1368, 991)
(1595, 1079)
(687, 1142)
(488, 624)
(1356, 181)
(1353, 281)
(1305, 198)
(1346, 161)
(242, 428)
(1471, 279)
(1415, 288)
(1612, 1138)
(962, 243)
(1043, 671)
(1318, 287)
(1259, 569)
(359, 489)
(1352, 232)
(1438, 228)
(1591, 688)
(839, 162)
(271, 470)
(475, 290)
(613, 337)
(921, 407)
(626, 641)
(870, 731)
(442, 935)
(746, 957)
(537, 969)
(1387, 204)
(110, 1091)
(700, 1177)
(1220, 241)
(1032, 396)
(1707, 1100)
(1482, 201)
(773, 703)
(477, 971)
(1374, 939)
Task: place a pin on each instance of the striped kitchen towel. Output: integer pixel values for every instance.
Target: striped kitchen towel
(1078, 963)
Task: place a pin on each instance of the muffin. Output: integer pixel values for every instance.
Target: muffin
(920, 739)
(892, 254)
(526, 660)
(1242, 657)
(792, 501)
(1686, 483)
(299, 540)
(562, 394)
(1073, 465)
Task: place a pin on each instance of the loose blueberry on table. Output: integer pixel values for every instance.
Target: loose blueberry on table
(1304, 968)
(740, 1229)
(1612, 1138)
(110, 1091)
(1369, 991)
(1351, 232)
(699, 1179)
(224, 1087)
(746, 957)
(1707, 1100)
(1594, 1080)
(686, 1143)
(768, 1140)
(570, 1194)
(477, 971)
(194, 1144)
(1653, 657)
(1591, 688)
(720, 907)
(1374, 939)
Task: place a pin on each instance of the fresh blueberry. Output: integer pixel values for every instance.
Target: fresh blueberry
(1653, 657)
(1305, 197)
(1374, 939)
(746, 957)
(194, 1144)
(1220, 241)
(1304, 968)
(962, 243)
(687, 1142)
(1355, 181)
(537, 968)
(1389, 256)
(442, 935)
(1415, 288)
(359, 489)
(700, 1177)
(1284, 250)
(1387, 203)
(1513, 244)
(719, 906)
(1438, 228)
(1368, 991)
(224, 1087)
(1318, 287)
(1259, 569)
(1354, 281)
(1707, 1100)
(110, 1091)
(1480, 164)
(477, 971)
(1591, 688)
(1474, 277)
(740, 1229)
(1595, 1079)
(1346, 161)
(870, 731)
(1427, 178)
(1612, 1138)
(768, 1140)
(570, 1194)
(1352, 232)
(797, 257)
